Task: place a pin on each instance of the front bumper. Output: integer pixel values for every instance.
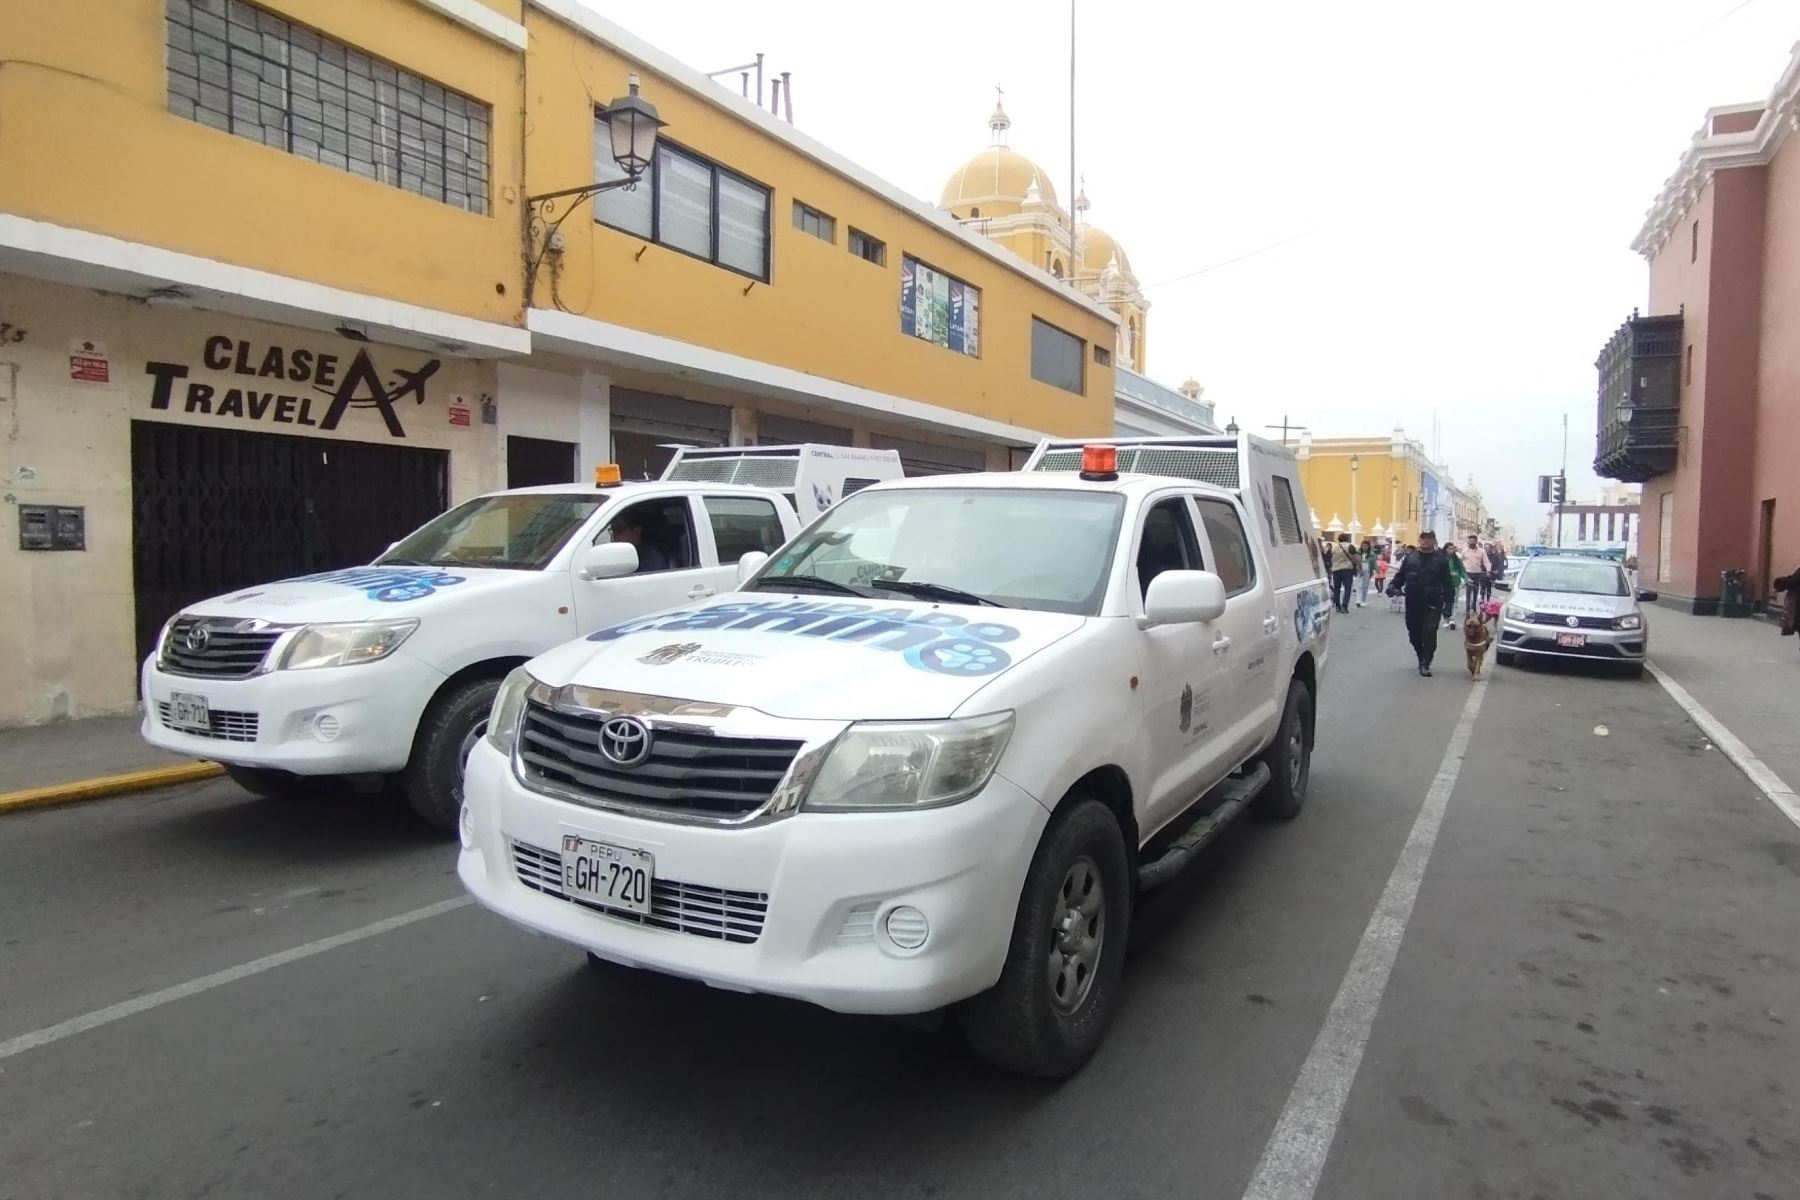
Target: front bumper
(273, 720)
(1601, 645)
(811, 892)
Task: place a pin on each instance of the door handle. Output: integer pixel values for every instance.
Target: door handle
(699, 593)
(1221, 644)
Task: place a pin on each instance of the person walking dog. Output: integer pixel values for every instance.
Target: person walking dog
(1425, 580)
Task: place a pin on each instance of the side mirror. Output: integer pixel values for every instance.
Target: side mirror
(1501, 585)
(608, 560)
(1184, 597)
(1644, 594)
(749, 565)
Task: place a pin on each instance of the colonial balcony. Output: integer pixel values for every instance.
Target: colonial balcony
(1639, 399)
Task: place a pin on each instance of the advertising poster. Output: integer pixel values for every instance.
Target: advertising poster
(909, 293)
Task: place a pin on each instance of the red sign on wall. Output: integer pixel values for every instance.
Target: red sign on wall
(459, 415)
(88, 362)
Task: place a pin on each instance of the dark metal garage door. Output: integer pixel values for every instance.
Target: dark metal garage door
(213, 510)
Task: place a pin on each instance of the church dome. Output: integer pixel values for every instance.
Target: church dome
(997, 173)
(1098, 248)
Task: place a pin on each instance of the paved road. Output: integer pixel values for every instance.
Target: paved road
(1598, 994)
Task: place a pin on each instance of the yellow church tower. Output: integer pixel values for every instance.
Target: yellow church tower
(1005, 196)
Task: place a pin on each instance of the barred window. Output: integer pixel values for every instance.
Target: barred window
(249, 72)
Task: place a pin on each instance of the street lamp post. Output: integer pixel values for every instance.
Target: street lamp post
(1355, 465)
(632, 124)
(1394, 510)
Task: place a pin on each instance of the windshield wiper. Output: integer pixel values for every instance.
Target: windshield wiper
(398, 562)
(777, 583)
(934, 591)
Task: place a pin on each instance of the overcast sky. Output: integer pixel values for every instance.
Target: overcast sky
(1456, 184)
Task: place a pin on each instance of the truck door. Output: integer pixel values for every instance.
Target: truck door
(672, 570)
(1181, 674)
(1252, 660)
(736, 526)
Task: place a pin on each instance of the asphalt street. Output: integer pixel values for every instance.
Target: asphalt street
(1596, 994)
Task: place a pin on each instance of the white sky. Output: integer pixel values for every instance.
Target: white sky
(1463, 180)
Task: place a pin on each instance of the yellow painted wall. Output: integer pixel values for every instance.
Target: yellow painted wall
(86, 140)
(823, 311)
(1326, 477)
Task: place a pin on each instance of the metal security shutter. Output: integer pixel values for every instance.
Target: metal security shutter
(670, 418)
(773, 429)
(923, 458)
(1218, 467)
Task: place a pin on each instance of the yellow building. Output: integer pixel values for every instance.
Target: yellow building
(262, 298)
(1010, 199)
(1383, 488)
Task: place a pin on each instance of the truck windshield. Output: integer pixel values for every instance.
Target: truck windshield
(1032, 548)
(516, 532)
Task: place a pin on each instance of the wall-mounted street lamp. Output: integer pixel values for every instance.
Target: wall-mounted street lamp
(1232, 427)
(632, 124)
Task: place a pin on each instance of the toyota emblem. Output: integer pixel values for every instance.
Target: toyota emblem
(625, 741)
(1573, 621)
(198, 638)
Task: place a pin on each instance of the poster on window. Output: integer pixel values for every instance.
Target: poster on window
(956, 315)
(908, 297)
(939, 309)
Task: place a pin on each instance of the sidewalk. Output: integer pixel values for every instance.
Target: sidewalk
(1743, 672)
(68, 752)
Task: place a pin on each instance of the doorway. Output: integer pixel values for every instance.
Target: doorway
(533, 462)
(1765, 558)
(213, 510)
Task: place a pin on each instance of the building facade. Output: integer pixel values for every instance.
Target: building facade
(1696, 396)
(1611, 527)
(1383, 488)
(273, 313)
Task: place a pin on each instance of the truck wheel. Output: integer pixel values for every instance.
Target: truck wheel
(1056, 994)
(274, 784)
(452, 726)
(1289, 757)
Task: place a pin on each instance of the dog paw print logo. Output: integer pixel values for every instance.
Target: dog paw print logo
(959, 656)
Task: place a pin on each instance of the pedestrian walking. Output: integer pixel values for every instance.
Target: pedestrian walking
(1459, 580)
(1475, 571)
(1788, 587)
(1380, 570)
(1365, 571)
(1424, 578)
(1343, 572)
(1496, 569)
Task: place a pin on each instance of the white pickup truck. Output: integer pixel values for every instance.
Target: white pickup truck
(926, 754)
(389, 670)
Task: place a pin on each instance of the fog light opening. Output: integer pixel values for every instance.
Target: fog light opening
(326, 728)
(465, 828)
(907, 927)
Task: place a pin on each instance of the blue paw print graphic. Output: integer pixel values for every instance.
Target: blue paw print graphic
(958, 656)
(402, 591)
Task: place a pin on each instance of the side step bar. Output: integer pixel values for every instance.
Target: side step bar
(1235, 795)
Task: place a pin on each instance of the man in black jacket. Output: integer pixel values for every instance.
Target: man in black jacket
(1430, 590)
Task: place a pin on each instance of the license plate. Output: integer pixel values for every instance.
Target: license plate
(608, 875)
(1571, 639)
(189, 711)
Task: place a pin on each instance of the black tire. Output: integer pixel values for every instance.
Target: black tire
(1505, 658)
(1289, 757)
(1028, 1022)
(1632, 670)
(274, 784)
(452, 725)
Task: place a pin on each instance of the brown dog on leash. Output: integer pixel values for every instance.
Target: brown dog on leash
(1476, 640)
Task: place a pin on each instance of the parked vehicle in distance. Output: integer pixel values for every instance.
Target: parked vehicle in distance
(926, 755)
(813, 477)
(388, 671)
(1573, 606)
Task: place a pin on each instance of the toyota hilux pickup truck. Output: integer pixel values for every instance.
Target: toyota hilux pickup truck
(386, 673)
(928, 753)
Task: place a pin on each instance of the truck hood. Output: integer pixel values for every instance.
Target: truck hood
(806, 657)
(361, 594)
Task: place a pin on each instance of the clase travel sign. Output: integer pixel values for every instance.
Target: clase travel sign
(339, 385)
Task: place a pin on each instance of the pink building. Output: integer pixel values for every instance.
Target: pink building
(1700, 400)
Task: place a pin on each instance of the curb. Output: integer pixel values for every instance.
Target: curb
(1766, 781)
(108, 785)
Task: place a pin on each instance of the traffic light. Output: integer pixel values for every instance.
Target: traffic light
(1559, 491)
(1544, 482)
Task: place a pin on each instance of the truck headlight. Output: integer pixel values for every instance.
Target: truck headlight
(892, 766)
(345, 644)
(1629, 621)
(508, 710)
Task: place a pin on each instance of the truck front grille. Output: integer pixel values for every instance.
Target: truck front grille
(225, 724)
(687, 773)
(223, 653)
(690, 908)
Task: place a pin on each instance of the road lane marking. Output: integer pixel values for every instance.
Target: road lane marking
(1294, 1158)
(1767, 781)
(205, 983)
